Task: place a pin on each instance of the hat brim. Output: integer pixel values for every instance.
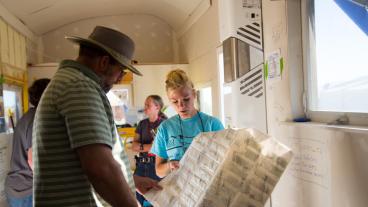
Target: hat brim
(118, 57)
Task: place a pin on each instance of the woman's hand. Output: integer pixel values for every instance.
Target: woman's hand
(164, 166)
(173, 165)
(144, 184)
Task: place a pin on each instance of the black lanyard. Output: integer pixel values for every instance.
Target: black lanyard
(150, 127)
(181, 127)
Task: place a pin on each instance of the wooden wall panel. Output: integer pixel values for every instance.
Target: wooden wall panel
(23, 52)
(17, 55)
(4, 45)
(11, 46)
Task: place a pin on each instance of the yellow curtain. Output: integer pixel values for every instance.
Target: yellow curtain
(13, 60)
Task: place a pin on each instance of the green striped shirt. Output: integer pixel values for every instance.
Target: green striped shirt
(73, 112)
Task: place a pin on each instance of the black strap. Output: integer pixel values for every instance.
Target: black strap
(150, 127)
(181, 125)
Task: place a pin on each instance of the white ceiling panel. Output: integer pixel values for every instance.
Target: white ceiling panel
(42, 16)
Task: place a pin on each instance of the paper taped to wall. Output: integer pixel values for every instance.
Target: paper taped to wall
(233, 168)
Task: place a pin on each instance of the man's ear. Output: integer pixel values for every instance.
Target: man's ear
(103, 63)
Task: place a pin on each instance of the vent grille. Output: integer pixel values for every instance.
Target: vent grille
(252, 84)
(251, 34)
(252, 3)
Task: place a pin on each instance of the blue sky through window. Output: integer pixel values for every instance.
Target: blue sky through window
(341, 53)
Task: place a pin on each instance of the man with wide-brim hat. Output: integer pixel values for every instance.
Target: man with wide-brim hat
(75, 134)
(115, 43)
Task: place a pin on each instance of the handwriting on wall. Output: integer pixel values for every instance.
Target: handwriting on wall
(310, 163)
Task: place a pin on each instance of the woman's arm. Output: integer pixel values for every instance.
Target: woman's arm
(30, 159)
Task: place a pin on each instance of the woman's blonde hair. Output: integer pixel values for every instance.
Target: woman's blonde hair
(177, 79)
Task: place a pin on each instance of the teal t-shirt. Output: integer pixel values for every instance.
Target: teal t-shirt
(175, 134)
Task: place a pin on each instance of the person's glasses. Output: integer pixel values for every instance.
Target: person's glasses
(124, 70)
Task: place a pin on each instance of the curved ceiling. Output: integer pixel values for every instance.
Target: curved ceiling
(42, 16)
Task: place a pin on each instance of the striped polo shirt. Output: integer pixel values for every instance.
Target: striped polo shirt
(73, 112)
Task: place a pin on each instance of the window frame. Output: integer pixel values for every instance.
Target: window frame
(199, 88)
(220, 69)
(309, 64)
(129, 103)
(16, 88)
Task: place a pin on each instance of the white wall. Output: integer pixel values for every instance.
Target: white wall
(155, 43)
(326, 170)
(347, 176)
(153, 37)
(329, 167)
(198, 47)
(152, 82)
(360, 150)
(46, 70)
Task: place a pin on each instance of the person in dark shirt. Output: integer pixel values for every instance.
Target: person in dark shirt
(145, 134)
(18, 184)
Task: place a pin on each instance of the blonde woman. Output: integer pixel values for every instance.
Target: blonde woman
(176, 134)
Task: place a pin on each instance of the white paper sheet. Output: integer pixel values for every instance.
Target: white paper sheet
(235, 168)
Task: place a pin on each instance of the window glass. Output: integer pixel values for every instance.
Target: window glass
(225, 91)
(12, 98)
(205, 100)
(119, 99)
(338, 73)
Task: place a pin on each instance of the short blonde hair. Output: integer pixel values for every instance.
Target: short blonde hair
(177, 79)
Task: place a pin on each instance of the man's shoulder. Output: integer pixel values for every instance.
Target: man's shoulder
(143, 123)
(29, 114)
(69, 78)
(71, 75)
(26, 119)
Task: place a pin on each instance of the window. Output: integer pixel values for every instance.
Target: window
(225, 91)
(336, 38)
(220, 65)
(120, 101)
(12, 97)
(205, 100)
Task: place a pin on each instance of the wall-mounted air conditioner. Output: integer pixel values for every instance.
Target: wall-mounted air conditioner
(241, 19)
(241, 33)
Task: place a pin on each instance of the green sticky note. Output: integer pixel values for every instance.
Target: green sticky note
(265, 70)
(281, 65)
